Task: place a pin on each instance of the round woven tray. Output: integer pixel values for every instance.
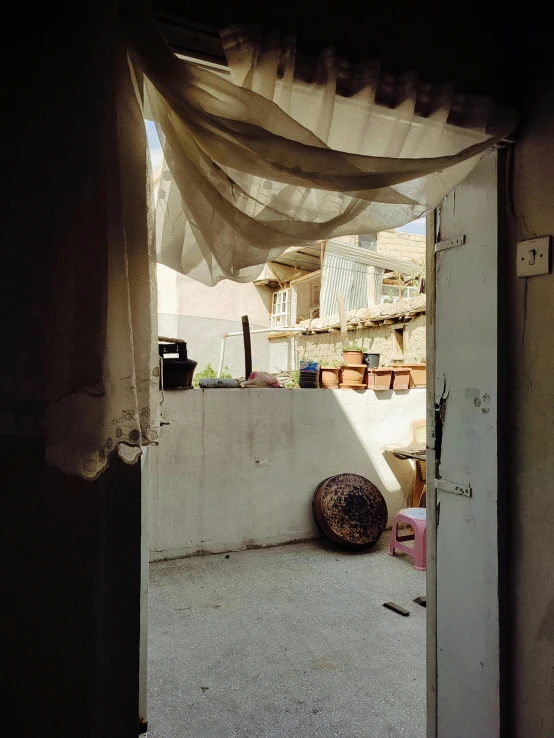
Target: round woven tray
(350, 510)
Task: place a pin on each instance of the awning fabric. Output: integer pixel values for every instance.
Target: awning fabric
(277, 154)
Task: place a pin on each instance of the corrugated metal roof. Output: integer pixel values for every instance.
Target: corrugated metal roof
(342, 276)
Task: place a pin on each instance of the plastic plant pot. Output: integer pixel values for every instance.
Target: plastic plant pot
(353, 373)
(353, 357)
(380, 378)
(401, 378)
(418, 374)
(330, 377)
(372, 360)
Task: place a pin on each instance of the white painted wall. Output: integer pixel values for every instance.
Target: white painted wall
(281, 352)
(181, 295)
(240, 467)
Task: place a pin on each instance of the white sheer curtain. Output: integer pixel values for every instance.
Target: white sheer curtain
(78, 355)
(120, 410)
(281, 154)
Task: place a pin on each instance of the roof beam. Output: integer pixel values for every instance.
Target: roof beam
(371, 258)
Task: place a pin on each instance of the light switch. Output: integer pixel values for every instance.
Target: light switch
(533, 257)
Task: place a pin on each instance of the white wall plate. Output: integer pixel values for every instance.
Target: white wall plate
(533, 257)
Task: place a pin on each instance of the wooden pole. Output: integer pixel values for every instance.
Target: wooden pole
(342, 314)
(247, 347)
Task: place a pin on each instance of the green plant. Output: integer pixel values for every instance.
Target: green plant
(353, 347)
(210, 373)
(294, 379)
(332, 363)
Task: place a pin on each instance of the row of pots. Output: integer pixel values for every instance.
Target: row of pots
(359, 376)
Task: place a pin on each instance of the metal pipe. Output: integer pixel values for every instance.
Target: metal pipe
(269, 330)
(221, 354)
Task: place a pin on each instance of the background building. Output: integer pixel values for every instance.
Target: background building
(301, 285)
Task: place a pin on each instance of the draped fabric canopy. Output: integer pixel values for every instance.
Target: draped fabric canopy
(276, 154)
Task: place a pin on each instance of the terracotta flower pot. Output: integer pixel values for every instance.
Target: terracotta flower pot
(330, 377)
(380, 378)
(401, 378)
(352, 386)
(353, 373)
(418, 374)
(353, 357)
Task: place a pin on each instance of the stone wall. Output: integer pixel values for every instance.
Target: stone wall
(403, 246)
(328, 346)
(399, 245)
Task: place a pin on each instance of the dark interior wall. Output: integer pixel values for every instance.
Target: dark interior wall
(69, 620)
(70, 586)
(531, 360)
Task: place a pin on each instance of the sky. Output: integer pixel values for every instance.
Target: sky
(417, 226)
(154, 144)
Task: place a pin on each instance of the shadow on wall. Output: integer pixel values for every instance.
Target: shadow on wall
(238, 468)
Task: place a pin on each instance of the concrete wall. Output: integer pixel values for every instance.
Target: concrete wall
(239, 467)
(328, 346)
(201, 315)
(203, 337)
(531, 357)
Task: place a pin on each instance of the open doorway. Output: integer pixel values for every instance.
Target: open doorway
(257, 625)
(437, 422)
(462, 422)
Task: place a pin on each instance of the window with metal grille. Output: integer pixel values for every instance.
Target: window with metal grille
(280, 309)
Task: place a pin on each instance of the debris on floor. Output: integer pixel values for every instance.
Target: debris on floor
(300, 645)
(396, 608)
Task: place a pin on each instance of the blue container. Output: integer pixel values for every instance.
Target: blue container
(309, 375)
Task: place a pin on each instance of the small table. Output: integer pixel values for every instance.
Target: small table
(418, 453)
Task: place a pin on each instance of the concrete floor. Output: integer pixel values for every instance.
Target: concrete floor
(287, 642)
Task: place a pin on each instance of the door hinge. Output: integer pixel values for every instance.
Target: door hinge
(455, 489)
(443, 245)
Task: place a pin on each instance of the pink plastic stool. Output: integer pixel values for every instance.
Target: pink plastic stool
(417, 518)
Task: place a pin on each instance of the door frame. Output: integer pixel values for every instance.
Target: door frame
(431, 497)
